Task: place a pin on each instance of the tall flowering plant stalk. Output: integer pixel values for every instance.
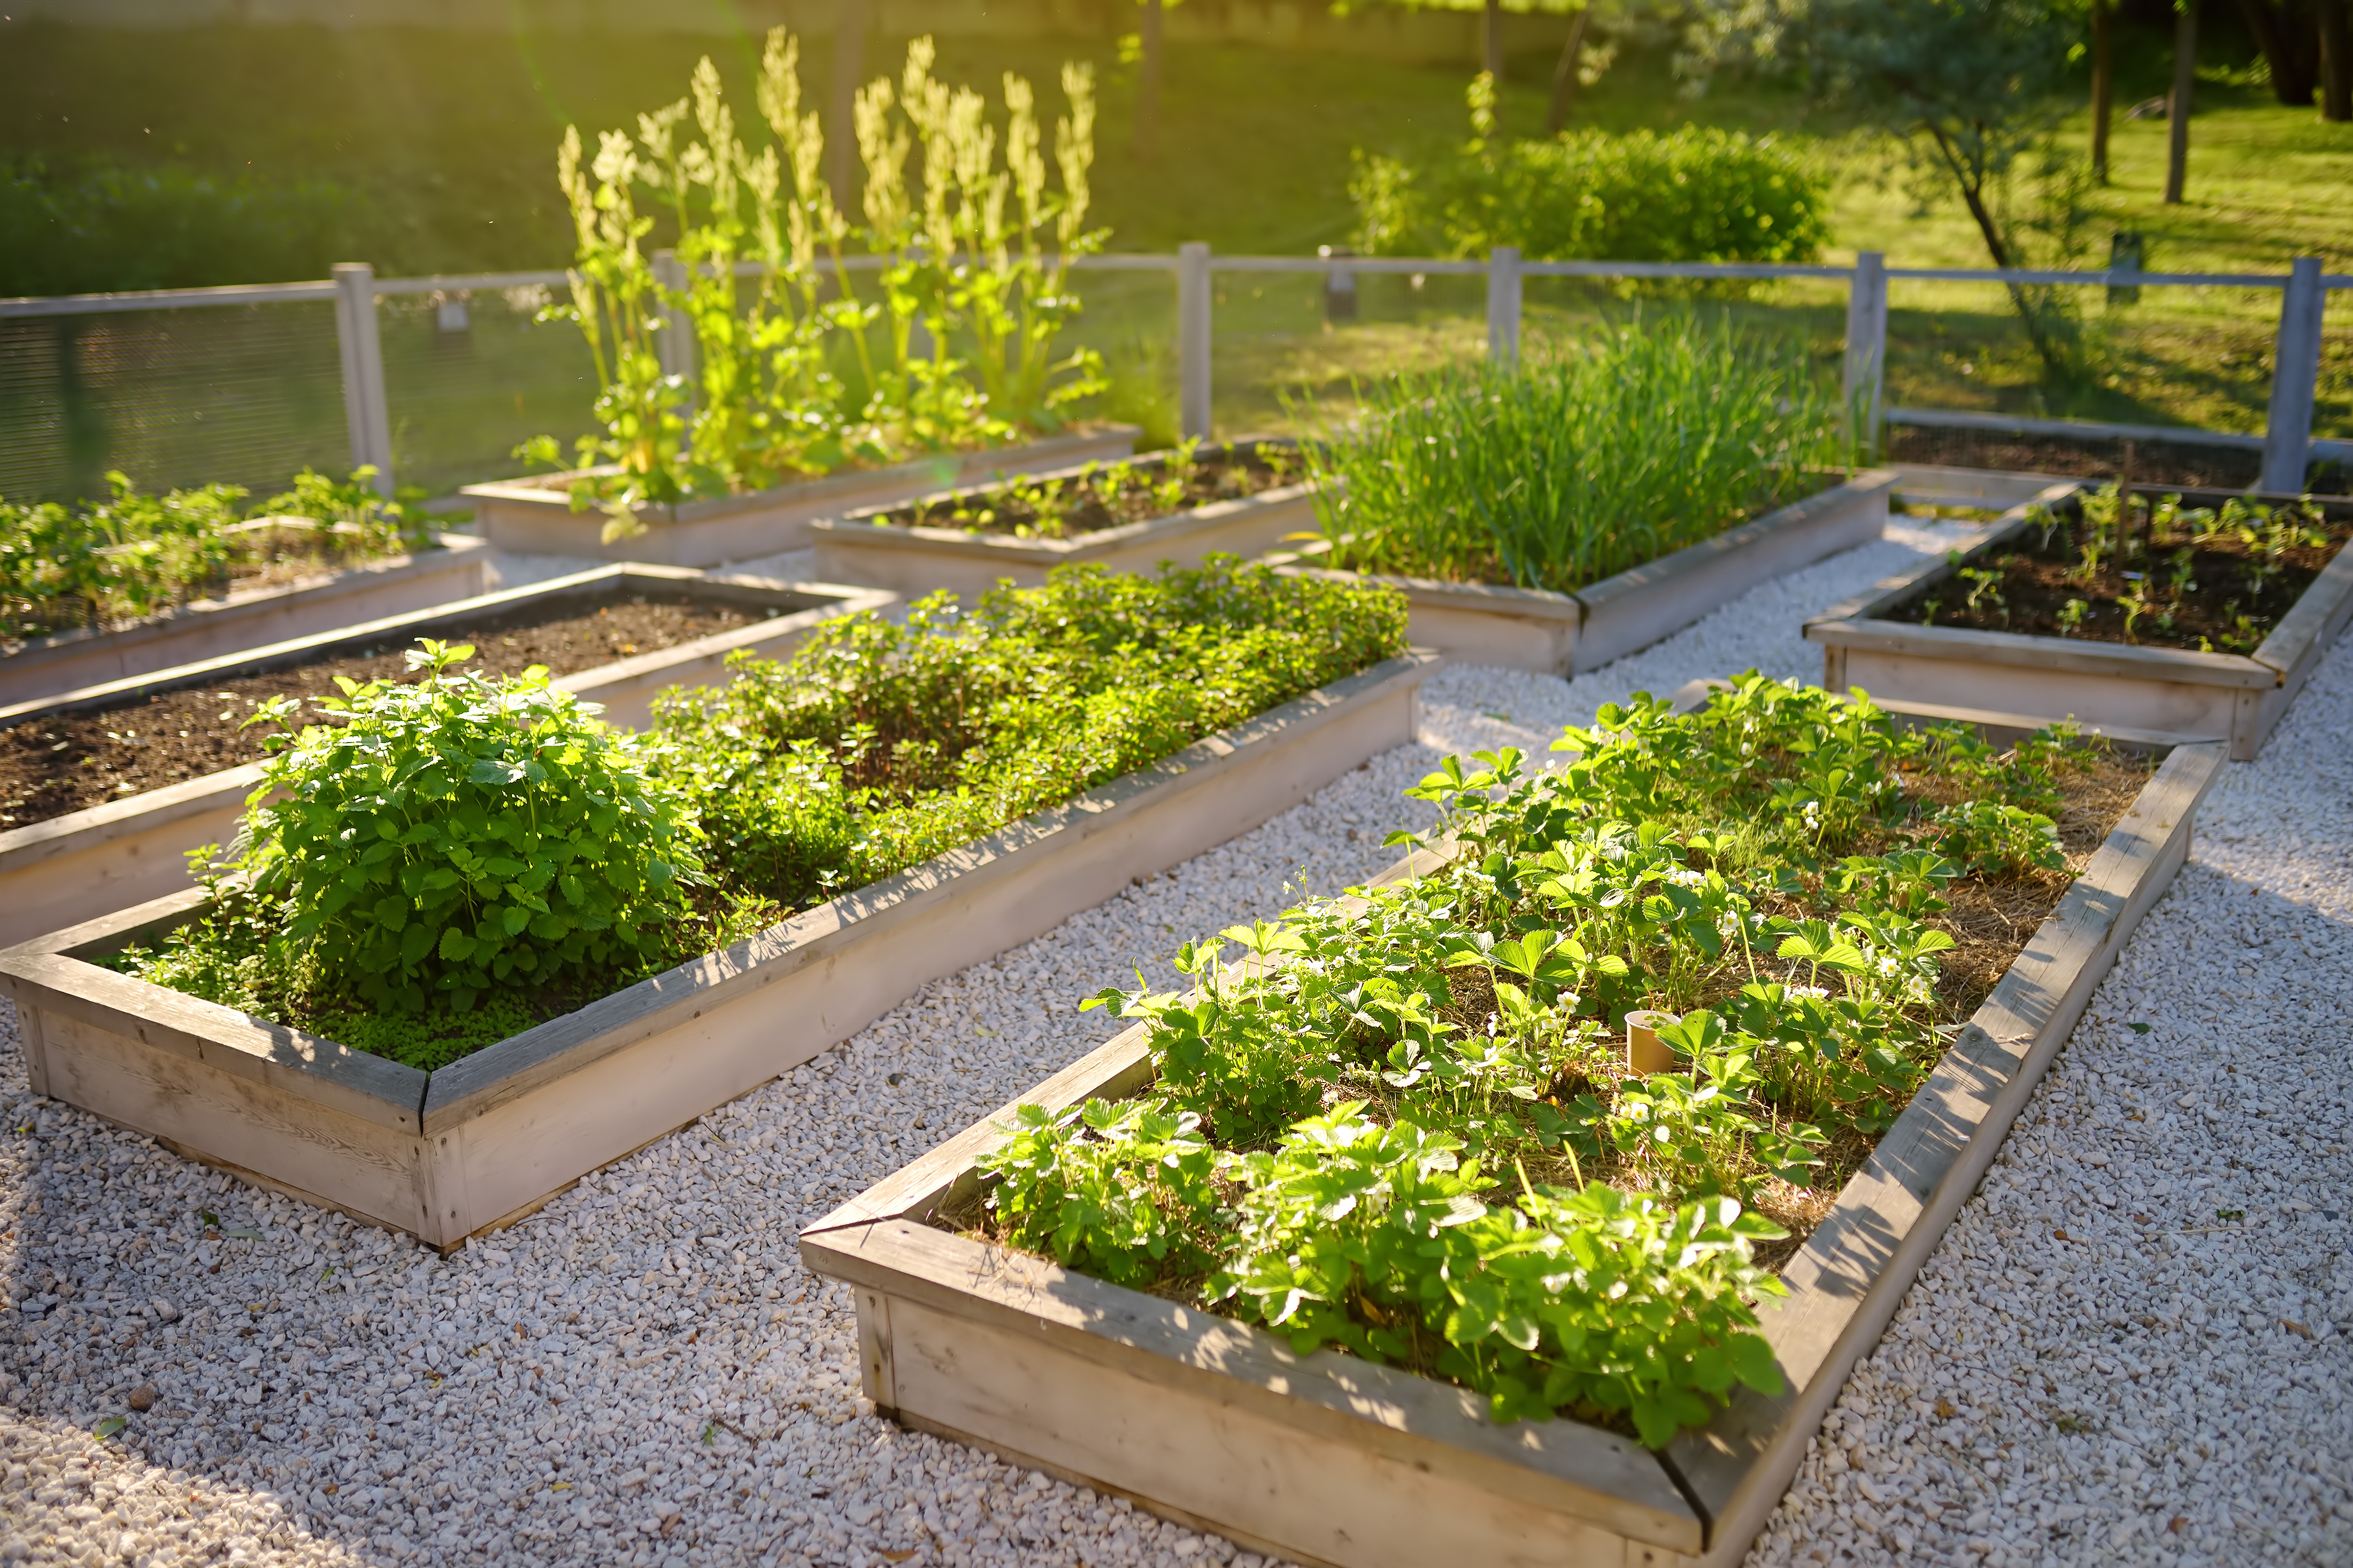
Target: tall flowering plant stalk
(795, 371)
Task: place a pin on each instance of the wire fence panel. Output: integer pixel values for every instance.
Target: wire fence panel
(470, 375)
(1286, 349)
(243, 394)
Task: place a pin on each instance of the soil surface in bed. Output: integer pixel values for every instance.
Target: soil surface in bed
(1109, 495)
(51, 766)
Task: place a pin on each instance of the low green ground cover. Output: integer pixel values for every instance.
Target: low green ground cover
(1108, 495)
(107, 564)
(1403, 1124)
(447, 861)
(1577, 462)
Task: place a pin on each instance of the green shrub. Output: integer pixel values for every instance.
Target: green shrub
(463, 833)
(1572, 465)
(1695, 194)
(101, 228)
(876, 745)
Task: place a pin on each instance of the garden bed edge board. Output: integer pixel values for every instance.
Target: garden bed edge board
(912, 561)
(536, 516)
(1856, 1267)
(208, 628)
(498, 1132)
(1551, 633)
(1732, 1472)
(108, 856)
(2237, 698)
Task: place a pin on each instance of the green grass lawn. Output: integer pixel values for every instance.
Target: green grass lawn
(448, 140)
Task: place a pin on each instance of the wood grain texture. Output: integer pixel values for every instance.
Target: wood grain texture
(972, 1326)
(213, 628)
(2161, 707)
(1853, 1273)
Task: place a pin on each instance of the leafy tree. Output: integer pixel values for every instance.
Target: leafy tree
(1975, 88)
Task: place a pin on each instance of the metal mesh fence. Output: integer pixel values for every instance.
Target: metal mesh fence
(470, 374)
(243, 394)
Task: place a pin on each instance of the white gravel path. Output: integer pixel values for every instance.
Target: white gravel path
(642, 1373)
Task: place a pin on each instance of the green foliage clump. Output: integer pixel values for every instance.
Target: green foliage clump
(1567, 467)
(1401, 1124)
(103, 563)
(460, 834)
(98, 227)
(1694, 194)
(878, 745)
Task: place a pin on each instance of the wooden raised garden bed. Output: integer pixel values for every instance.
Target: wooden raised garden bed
(246, 618)
(916, 549)
(85, 863)
(535, 514)
(1327, 1459)
(1876, 642)
(1567, 633)
(443, 1155)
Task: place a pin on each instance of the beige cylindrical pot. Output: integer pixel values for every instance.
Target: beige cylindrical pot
(1645, 1052)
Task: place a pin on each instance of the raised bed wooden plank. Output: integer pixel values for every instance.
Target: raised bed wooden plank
(919, 1289)
(1855, 1270)
(912, 561)
(214, 628)
(535, 514)
(106, 857)
(1567, 633)
(2181, 691)
(499, 1131)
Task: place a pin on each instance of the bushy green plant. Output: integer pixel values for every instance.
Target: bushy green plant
(877, 744)
(98, 227)
(1403, 1122)
(1574, 464)
(461, 834)
(1694, 194)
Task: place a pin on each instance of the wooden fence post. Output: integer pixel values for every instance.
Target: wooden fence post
(1193, 302)
(1503, 304)
(2296, 368)
(1864, 383)
(366, 412)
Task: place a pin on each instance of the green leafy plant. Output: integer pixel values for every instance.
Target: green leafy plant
(1567, 467)
(1406, 1131)
(461, 834)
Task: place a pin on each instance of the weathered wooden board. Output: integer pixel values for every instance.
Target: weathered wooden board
(1105, 1386)
(536, 515)
(214, 628)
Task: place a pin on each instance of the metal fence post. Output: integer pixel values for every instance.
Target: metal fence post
(1193, 339)
(1503, 304)
(674, 344)
(1866, 343)
(365, 410)
(2295, 367)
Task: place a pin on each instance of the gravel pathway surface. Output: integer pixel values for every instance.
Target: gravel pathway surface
(642, 1373)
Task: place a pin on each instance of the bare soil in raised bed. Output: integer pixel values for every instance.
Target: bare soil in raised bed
(51, 766)
(2217, 596)
(1137, 490)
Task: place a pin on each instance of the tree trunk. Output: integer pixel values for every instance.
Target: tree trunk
(1564, 74)
(2103, 90)
(1493, 40)
(1147, 80)
(2178, 106)
(2336, 61)
(2275, 35)
(850, 24)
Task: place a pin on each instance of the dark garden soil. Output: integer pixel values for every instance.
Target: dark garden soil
(1136, 491)
(2096, 457)
(52, 766)
(2221, 595)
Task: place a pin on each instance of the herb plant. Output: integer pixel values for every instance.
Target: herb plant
(1571, 466)
(877, 745)
(1401, 1123)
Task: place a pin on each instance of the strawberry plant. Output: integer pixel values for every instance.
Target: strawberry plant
(1401, 1123)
